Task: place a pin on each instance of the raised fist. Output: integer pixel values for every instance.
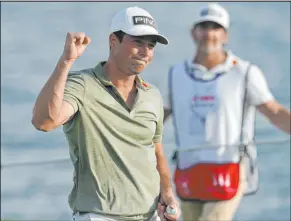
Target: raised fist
(76, 43)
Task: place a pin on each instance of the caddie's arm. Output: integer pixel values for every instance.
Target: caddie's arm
(167, 98)
(259, 95)
(277, 114)
(167, 113)
(50, 109)
(167, 105)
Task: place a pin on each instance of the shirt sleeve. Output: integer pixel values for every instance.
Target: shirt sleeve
(160, 125)
(75, 90)
(258, 91)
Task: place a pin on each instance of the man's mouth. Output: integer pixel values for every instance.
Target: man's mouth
(139, 61)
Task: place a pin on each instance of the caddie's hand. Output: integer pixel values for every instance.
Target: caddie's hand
(168, 207)
(75, 45)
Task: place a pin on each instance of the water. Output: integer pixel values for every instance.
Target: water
(32, 39)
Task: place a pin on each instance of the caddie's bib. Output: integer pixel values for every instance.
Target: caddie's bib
(208, 111)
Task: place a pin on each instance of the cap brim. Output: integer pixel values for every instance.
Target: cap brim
(210, 19)
(162, 39)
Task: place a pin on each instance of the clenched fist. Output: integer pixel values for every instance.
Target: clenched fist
(76, 43)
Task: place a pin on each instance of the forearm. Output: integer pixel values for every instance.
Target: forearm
(282, 120)
(164, 170)
(49, 101)
(277, 114)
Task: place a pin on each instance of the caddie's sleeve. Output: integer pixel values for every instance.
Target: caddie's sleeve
(258, 91)
(75, 90)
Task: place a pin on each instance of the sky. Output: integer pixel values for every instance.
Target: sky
(32, 40)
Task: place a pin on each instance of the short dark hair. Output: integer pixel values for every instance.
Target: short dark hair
(119, 35)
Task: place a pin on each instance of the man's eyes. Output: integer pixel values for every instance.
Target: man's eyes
(140, 42)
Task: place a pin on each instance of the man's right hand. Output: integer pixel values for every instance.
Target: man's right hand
(76, 43)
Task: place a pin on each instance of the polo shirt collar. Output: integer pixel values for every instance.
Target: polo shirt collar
(230, 61)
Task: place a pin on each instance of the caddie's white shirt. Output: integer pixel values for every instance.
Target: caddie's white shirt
(218, 101)
(207, 107)
(259, 92)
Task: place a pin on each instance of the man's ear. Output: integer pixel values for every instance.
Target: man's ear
(113, 41)
(225, 38)
(193, 34)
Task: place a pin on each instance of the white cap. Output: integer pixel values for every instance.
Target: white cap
(136, 21)
(215, 13)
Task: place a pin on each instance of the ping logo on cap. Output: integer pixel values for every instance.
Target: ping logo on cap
(144, 20)
(209, 11)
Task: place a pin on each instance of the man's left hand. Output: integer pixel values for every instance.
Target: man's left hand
(167, 198)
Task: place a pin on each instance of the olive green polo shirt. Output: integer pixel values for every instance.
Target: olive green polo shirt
(112, 147)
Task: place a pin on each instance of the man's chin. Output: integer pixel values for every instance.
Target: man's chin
(134, 72)
(209, 50)
(138, 70)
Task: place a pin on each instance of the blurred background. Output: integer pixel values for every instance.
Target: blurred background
(32, 40)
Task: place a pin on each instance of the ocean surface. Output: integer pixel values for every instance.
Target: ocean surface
(32, 40)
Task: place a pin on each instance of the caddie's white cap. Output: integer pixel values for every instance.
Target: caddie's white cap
(215, 13)
(136, 21)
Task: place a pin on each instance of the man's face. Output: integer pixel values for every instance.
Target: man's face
(132, 54)
(209, 37)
